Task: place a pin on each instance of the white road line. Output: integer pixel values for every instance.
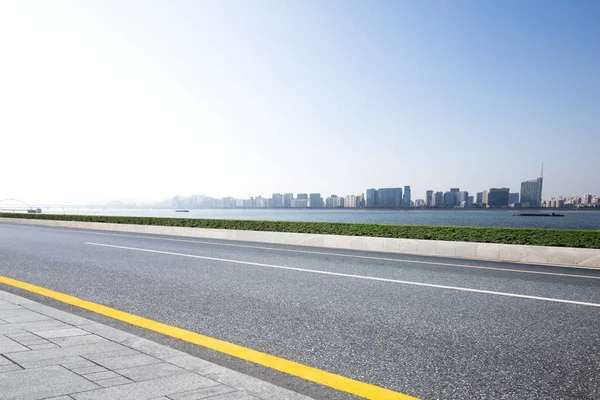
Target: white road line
(326, 253)
(372, 278)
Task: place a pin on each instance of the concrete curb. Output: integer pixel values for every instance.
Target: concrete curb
(558, 256)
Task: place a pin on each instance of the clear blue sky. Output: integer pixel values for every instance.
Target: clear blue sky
(145, 100)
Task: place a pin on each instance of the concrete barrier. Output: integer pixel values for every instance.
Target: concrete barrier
(561, 256)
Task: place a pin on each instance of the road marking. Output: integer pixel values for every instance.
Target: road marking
(321, 377)
(399, 260)
(371, 278)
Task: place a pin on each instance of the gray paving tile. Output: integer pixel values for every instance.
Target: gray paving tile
(58, 314)
(117, 381)
(77, 340)
(202, 393)
(148, 389)
(152, 371)
(21, 315)
(24, 326)
(234, 396)
(88, 370)
(8, 345)
(5, 361)
(13, 298)
(41, 383)
(97, 376)
(127, 361)
(58, 333)
(8, 306)
(253, 386)
(46, 363)
(8, 368)
(18, 334)
(107, 332)
(29, 341)
(64, 352)
(79, 364)
(151, 348)
(125, 351)
(42, 346)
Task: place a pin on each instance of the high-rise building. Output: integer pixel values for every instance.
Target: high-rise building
(513, 198)
(277, 200)
(484, 196)
(299, 203)
(586, 198)
(315, 200)
(302, 196)
(389, 198)
(428, 198)
(406, 199)
(361, 203)
(455, 192)
(531, 191)
(479, 197)
(371, 199)
(334, 201)
(449, 199)
(438, 199)
(469, 201)
(462, 196)
(287, 200)
(496, 197)
(352, 201)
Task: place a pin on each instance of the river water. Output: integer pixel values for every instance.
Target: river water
(501, 218)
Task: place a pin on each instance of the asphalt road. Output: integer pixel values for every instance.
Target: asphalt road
(361, 315)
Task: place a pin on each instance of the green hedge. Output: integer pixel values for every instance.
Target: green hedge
(538, 237)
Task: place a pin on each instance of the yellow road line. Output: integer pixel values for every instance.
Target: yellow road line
(150, 236)
(280, 364)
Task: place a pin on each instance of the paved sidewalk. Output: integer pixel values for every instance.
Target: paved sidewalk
(46, 353)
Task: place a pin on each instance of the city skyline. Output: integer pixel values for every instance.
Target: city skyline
(125, 100)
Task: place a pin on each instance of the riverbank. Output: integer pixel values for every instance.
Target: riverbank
(588, 220)
(589, 239)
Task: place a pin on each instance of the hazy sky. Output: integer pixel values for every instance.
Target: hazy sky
(145, 100)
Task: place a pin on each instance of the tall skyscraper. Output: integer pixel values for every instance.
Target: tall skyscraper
(315, 200)
(334, 201)
(455, 192)
(389, 197)
(428, 198)
(462, 196)
(496, 197)
(479, 197)
(406, 199)
(531, 191)
(513, 198)
(438, 199)
(371, 200)
(302, 196)
(449, 199)
(287, 200)
(277, 200)
(352, 201)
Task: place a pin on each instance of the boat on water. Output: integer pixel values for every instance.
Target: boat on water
(539, 215)
(34, 211)
(182, 210)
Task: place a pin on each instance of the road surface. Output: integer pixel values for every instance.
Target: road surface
(433, 328)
